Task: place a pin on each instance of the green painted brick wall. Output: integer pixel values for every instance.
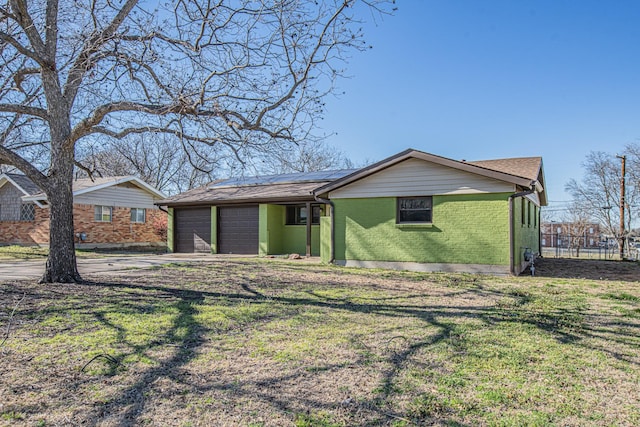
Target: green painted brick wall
(295, 239)
(170, 230)
(466, 229)
(270, 225)
(325, 239)
(527, 234)
(277, 238)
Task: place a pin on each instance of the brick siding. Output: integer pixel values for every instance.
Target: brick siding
(26, 232)
(120, 231)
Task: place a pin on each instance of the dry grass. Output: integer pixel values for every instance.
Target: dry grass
(16, 252)
(260, 343)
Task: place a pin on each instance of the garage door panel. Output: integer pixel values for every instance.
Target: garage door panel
(238, 230)
(193, 230)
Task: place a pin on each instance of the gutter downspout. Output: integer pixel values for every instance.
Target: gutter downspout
(512, 227)
(332, 256)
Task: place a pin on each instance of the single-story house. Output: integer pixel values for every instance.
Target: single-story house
(107, 212)
(414, 211)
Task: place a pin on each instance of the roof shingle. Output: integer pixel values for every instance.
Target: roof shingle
(525, 167)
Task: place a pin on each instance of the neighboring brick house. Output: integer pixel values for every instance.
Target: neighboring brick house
(569, 234)
(108, 212)
(414, 211)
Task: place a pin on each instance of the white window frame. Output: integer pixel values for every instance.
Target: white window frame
(135, 215)
(99, 213)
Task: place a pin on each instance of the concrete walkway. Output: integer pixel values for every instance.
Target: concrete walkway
(33, 270)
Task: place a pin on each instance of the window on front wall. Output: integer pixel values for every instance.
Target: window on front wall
(138, 215)
(297, 215)
(414, 210)
(28, 212)
(103, 214)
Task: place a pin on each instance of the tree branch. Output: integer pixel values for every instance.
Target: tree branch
(148, 129)
(83, 62)
(11, 158)
(309, 65)
(20, 48)
(51, 31)
(26, 23)
(24, 109)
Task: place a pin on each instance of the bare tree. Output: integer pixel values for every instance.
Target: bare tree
(238, 75)
(308, 156)
(599, 191)
(578, 220)
(154, 159)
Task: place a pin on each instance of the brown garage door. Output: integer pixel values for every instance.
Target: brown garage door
(238, 230)
(193, 229)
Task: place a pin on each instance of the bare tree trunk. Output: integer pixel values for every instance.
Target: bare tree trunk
(61, 263)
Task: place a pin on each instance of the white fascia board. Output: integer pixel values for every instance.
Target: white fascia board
(138, 182)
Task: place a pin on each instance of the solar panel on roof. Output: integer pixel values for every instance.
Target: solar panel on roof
(319, 176)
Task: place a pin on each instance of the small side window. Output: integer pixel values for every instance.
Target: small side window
(102, 214)
(138, 215)
(28, 212)
(414, 210)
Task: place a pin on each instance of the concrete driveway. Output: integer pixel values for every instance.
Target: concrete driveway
(33, 270)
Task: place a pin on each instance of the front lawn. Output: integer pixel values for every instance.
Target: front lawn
(257, 343)
(17, 252)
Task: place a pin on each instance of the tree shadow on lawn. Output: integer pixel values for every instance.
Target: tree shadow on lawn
(129, 405)
(185, 335)
(566, 325)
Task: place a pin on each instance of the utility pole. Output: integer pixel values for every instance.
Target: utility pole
(622, 205)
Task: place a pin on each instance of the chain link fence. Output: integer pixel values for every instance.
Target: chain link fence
(560, 245)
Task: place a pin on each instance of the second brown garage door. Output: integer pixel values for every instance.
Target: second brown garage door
(238, 230)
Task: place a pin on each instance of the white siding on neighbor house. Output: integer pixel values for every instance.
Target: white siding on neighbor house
(414, 177)
(125, 195)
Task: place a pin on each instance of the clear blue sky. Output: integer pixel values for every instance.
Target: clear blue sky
(490, 79)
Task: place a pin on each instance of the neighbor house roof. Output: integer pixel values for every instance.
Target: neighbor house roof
(22, 183)
(525, 172)
(80, 186)
(292, 187)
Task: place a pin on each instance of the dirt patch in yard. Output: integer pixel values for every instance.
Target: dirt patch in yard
(258, 343)
(587, 269)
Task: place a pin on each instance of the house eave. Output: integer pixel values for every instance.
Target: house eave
(247, 201)
(141, 184)
(411, 153)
